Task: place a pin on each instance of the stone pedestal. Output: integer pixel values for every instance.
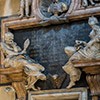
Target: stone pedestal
(15, 76)
(92, 70)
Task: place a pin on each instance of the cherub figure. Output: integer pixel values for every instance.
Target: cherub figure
(89, 51)
(14, 56)
(26, 8)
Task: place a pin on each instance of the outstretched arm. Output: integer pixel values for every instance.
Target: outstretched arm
(96, 39)
(9, 51)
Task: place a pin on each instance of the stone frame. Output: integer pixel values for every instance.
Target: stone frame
(75, 12)
(75, 93)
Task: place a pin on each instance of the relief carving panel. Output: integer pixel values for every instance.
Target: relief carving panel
(47, 42)
(46, 45)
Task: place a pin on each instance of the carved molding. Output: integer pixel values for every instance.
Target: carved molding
(92, 70)
(75, 11)
(36, 10)
(75, 93)
(94, 84)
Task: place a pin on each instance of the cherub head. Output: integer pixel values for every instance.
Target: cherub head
(92, 21)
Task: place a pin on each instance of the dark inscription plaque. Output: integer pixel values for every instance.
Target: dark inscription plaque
(47, 47)
(48, 43)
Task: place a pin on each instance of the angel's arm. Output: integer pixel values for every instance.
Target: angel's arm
(9, 52)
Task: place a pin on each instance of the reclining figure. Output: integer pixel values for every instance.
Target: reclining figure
(90, 51)
(15, 57)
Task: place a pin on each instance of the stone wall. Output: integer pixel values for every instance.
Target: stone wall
(9, 7)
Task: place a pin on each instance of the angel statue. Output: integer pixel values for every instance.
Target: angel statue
(14, 56)
(83, 51)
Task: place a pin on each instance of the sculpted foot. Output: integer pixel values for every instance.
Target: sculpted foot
(71, 84)
(93, 4)
(31, 87)
(27, 16)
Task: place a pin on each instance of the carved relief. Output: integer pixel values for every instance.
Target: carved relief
(39, 8)
(44, 10)
(57, 7)
(80, 53)
(86, 3)
(14, 57)
(26, 8)
(54, 4)
(26, 72)
(55, 12)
